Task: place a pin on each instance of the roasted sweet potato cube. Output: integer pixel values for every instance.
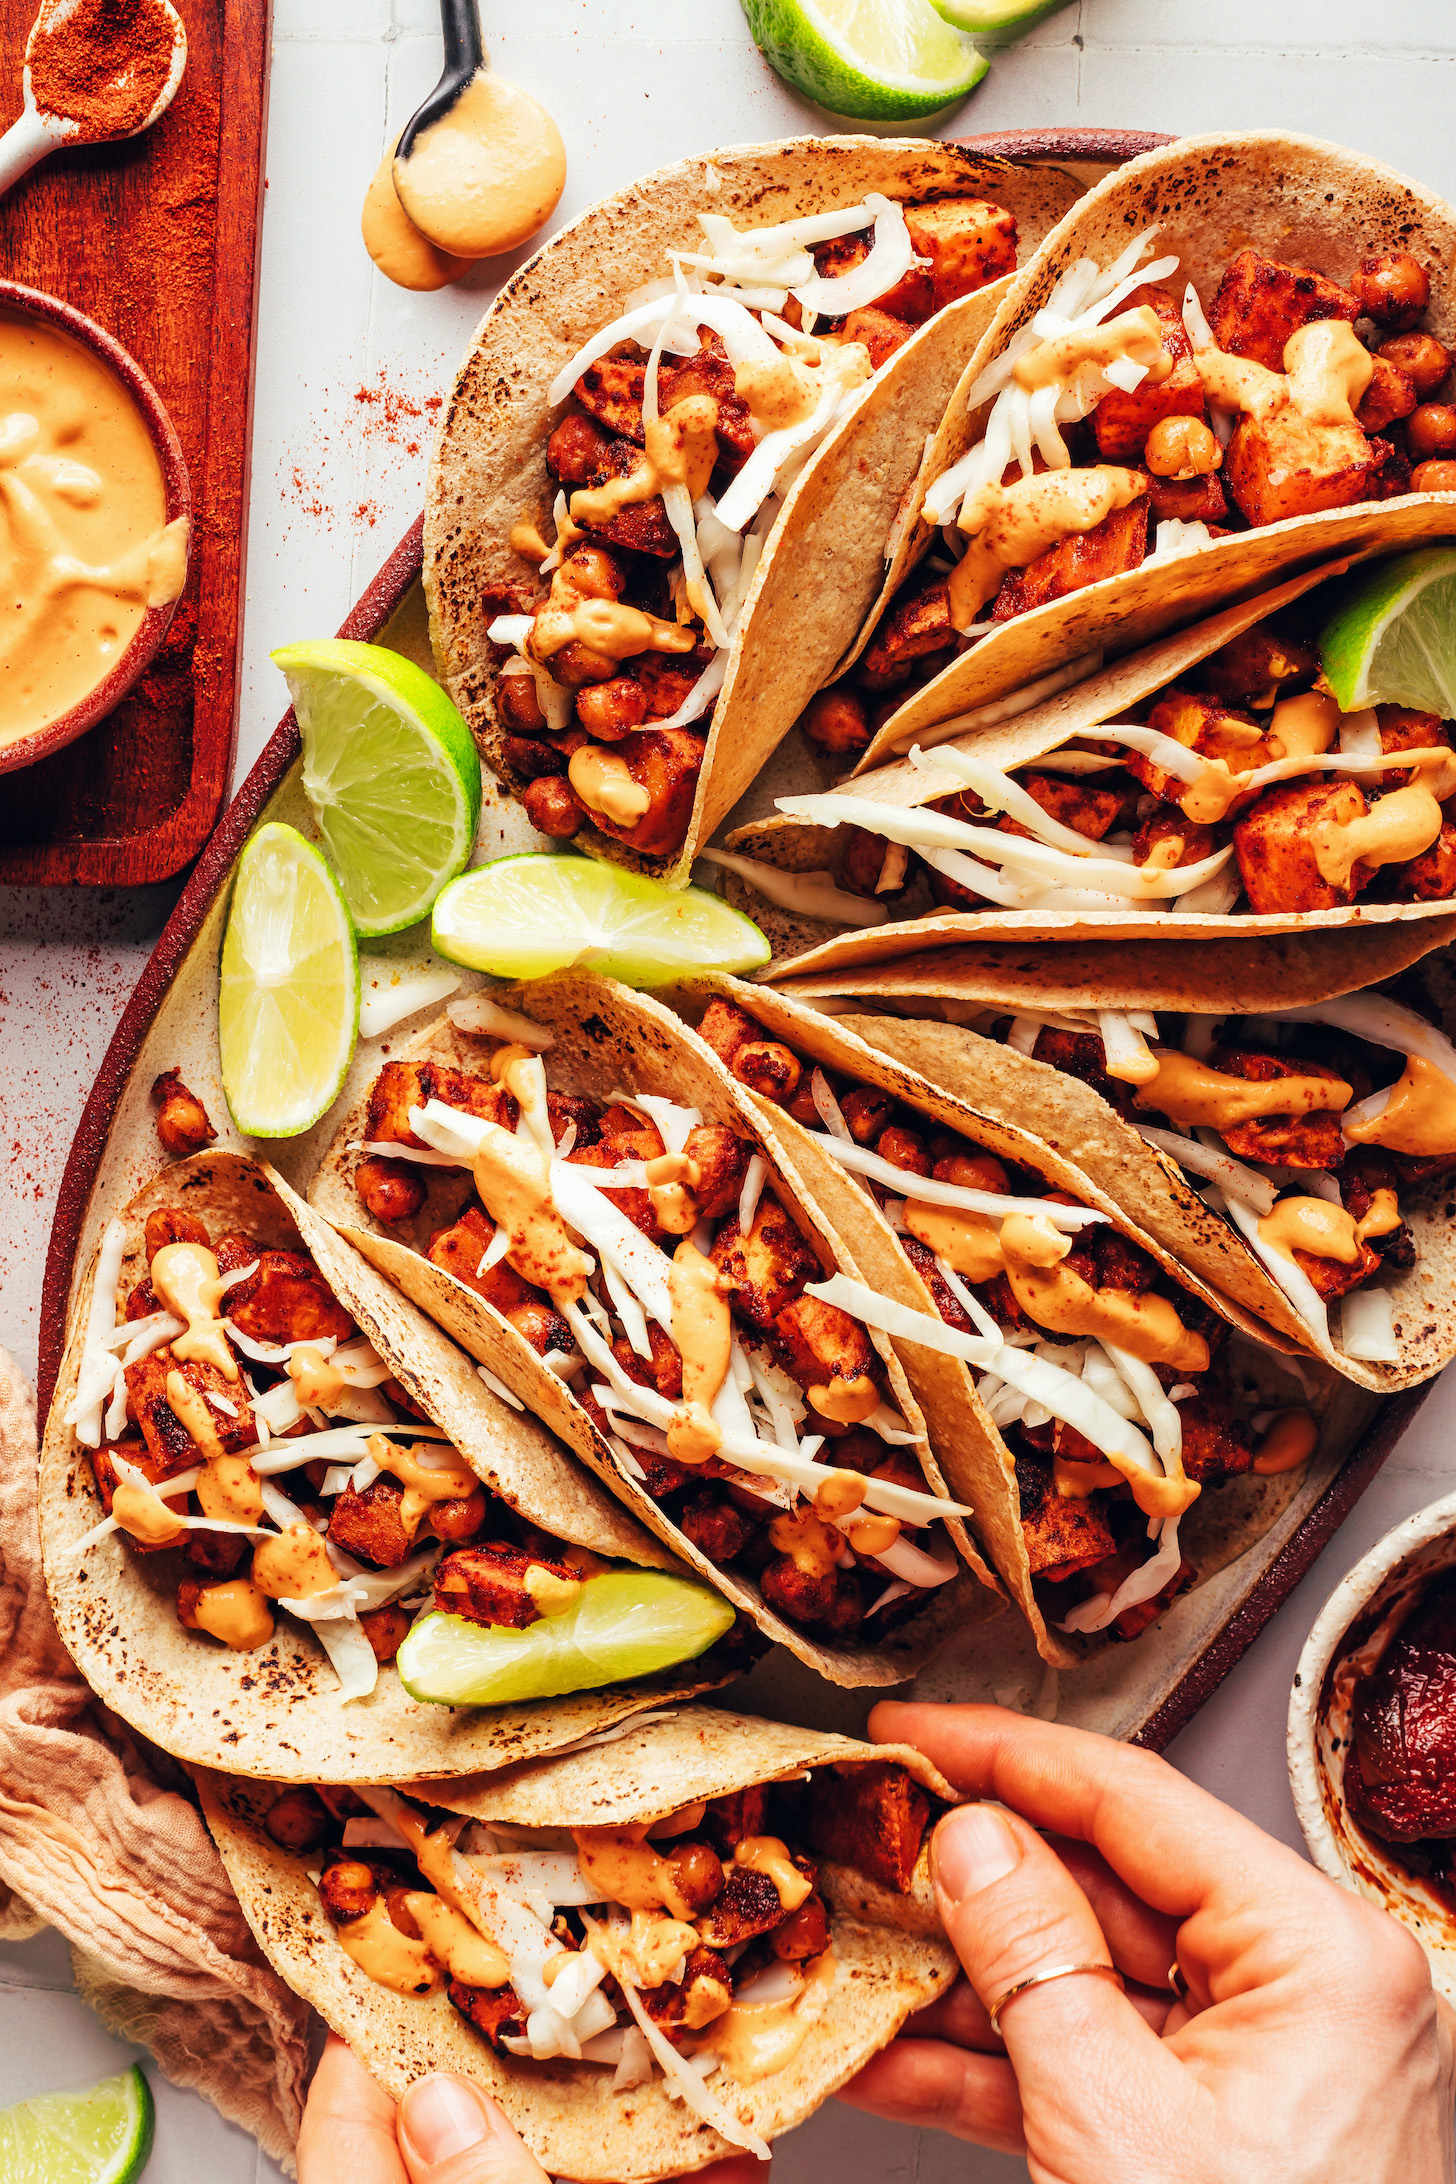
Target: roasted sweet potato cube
(641, 526)
(1133, 1621)
(1079, 805)
(172, 1225)
(1121, 421)
(1283, 465)
(1168, 826)
(711, 372)
(611, 390)
(168, 1440)
(722, 1158)
(767, 1269)
(969, 243)
(493, 2012)
(1200, 723)
(403, 1085)
(1064, 1533)
(1188, 500)
(821, 1344)
(1261, 665)
(1261, 302)
(460, 1248)
(1404, 730)
(1432, 876)
(487, 1584)
(635, 1204)
(666, 763)
(370, 1526)
(103, 1471)
(726, 1026)
(575, 452)
(288, 1300)
(1274, 845)
(914, 627)
(1287, 1141)
(1216, 1445)
(1110, 548)
(663, 1371)
(872, 1818)
(731, 1820)
(220, 1554)
(880, 334)
(703, 1993)
(748, 1906)
(1331, 1277)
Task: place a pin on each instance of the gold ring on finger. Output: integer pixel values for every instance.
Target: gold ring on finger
(1053, 1971)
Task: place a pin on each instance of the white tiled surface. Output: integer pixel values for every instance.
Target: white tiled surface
(345, 367)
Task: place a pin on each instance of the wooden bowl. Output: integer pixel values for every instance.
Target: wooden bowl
(50, 311)
(1349, 1629)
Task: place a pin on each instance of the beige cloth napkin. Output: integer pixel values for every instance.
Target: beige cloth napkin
(98, 1838)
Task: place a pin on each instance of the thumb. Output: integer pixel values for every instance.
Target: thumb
(1012, 1910)
(452, 2133)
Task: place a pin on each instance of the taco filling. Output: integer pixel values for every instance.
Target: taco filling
(647, 1258)
(1102, 1376)
(1241, 790)
(1308, 1129)
(234, 1365)
(687, 419)
(696, 1944)
(1128, 424)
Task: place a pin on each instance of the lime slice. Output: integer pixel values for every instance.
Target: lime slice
(103, 2136)
(629, 1623)
(879, 60)
(1392, 638)
(995, 22)
(391, 772)
(523, 917)
(288, 996)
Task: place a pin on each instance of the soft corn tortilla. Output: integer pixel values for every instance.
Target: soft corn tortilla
(892, 1955)
(606, 1037)
(977, 1462)
(790, 843)
(1148, 1184)
(489, 468)
(1291, 198)
(276, 1712)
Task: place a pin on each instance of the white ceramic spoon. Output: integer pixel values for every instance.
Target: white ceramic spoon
(38, 132)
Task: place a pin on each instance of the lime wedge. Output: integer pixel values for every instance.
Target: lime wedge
(879, 60)
(1392, 638)
(629, 1623)
(288, 996)
(391, 772)
(103, 2136)
(995, 22)
(523, 917)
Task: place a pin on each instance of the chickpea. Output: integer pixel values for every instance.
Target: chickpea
(904, 1149)
(697, 1875)
(391, 1189)
(347, 1888)
(518, 705)
(182, 1123)
(298, 1821)
(768, 1067)
(461, 1518)
(1182, 447)
(804, 1933)
(386, 1629)
(538, 1323)
(1393, 289)
(576, 664)
(836, 722)
(610, 709)
(1434, 477)
(553, 807)
(867, 1112)
(1431, 430)
(1424, 360)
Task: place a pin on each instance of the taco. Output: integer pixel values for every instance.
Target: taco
(1226, 363)
(1207, 785)
(651, 1957)
(1312, 1127)
(696, 1326)
(265, 1477)
(1077, 1374)
(625, 428)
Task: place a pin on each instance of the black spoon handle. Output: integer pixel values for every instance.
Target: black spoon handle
(464, 56)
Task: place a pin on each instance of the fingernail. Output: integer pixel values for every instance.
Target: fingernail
(442, 2116)
(971, 1849)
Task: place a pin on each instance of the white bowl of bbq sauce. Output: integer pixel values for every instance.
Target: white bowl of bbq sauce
(1359, 1621)
(95, 524)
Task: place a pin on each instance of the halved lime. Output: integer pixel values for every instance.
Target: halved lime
(995, 22)
(288, 996)
(879, 60)
(391, 772)
(523, 917)
(1392, 638)
(103, 2136)
(627, 1624)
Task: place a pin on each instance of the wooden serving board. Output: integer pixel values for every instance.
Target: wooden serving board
(1144, 1692)
(156, 239)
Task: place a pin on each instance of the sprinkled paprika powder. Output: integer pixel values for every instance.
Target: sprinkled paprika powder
(102, 62)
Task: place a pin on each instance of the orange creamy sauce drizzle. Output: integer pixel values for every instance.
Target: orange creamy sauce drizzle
(513, 1179)
(1014, 523)
(236, 1613)
(1326, 1231)
(754, 2040)
(423, 1484)
(702, 1329)
(672, 1179)
(1058, 1299)
(1419, 1118)
(85, 545)
(1134, 337)
(187, 1282)
(1398, 827)
(1192, 1092)
(603, 780)
(1289, 1441)
(140, 1511)
(293, 1564)
(581, 611)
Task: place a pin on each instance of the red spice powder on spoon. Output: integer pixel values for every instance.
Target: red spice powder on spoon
(103, 63)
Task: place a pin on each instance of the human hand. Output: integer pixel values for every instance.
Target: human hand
(444, 2131)
(1311, 2046)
